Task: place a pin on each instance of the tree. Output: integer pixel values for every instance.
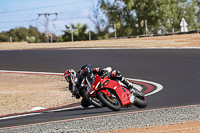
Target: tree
(4, 38)
(198, 10)
(21, 34)
(79, 34)
(33, 32)
(12, 33)
(131, 16)
(154, 13)
(119, 16)
(101, 22)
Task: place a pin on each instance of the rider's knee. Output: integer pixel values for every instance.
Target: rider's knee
(116, 75)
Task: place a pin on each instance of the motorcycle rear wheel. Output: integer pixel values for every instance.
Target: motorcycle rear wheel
(112, 103)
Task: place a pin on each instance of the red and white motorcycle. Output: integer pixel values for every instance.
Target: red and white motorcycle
(112, 94)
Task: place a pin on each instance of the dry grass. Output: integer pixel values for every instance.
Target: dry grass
(22, 92)
(190, 40)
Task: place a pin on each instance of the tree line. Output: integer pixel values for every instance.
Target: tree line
(121, 18)
(23, 34)
(137, 17)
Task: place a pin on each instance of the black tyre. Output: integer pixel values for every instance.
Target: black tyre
(140, 102)
(110, 102)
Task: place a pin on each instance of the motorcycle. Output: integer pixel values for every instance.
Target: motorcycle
(111, 94)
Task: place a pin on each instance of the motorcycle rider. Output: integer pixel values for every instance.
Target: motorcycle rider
(75, 80)
(71, 77)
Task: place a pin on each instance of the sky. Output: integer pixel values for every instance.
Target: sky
(24, 13)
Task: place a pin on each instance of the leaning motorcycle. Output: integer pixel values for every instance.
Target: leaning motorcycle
(112, 94)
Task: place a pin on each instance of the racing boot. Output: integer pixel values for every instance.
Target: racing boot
(132, 98)
(85, 103)
(130, 87)
(127, 83)
(116, 75)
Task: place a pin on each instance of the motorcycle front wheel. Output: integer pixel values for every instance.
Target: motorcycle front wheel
(140, 100)
(111, 102)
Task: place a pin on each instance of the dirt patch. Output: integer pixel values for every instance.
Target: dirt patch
(185, 40)
(22, 92)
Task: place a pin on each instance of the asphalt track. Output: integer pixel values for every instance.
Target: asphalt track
(177, 70)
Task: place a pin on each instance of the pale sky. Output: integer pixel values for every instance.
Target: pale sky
(22, 13)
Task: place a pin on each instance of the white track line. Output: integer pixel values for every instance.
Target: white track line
(30, 72)
(74, 107)
(159, 86)
(16, 116)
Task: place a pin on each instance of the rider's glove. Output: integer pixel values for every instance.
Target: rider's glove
(96, 70)
(104, 73)
(99, 71)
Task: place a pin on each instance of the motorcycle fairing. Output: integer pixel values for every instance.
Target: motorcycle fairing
(122, 92)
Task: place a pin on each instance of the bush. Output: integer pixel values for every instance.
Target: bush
(4, 38)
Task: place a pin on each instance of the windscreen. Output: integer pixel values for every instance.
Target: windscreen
(90, 79)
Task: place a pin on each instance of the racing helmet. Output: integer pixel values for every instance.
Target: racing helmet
(85, 70)
(70, 75)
